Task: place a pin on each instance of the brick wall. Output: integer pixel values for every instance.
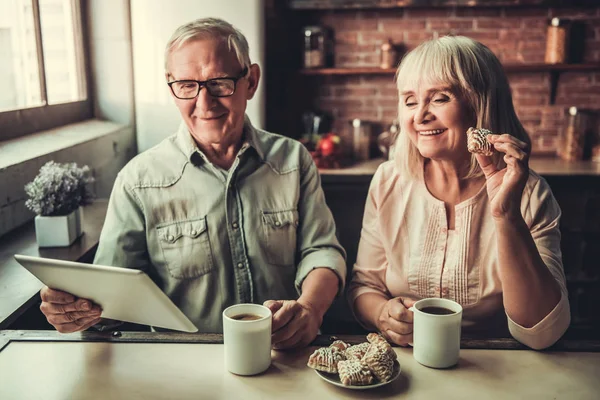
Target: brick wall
(516, 35)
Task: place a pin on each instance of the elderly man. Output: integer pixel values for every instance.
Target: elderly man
(221, 212)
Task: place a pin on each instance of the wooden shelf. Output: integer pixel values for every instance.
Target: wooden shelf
(512, 68)
(554, 69)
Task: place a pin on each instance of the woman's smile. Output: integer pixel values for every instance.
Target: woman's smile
(432, 132)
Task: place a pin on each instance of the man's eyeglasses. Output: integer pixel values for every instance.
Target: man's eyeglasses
(218, 87)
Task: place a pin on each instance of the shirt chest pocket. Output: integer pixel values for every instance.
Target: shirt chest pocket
(279, 231)
(186, 248)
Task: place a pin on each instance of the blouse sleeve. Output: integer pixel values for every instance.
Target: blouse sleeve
(368, 274)
(542, 214)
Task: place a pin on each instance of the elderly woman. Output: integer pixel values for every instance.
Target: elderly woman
(440, 221)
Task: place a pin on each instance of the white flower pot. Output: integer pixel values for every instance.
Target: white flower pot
(60, 231)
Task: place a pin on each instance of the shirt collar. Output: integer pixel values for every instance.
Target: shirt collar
(187, 145)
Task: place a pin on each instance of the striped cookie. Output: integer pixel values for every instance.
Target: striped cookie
(340, 345)
(357, 351)
(477, 142)
(354, 373)
(379, 362)
(378, 340)
(326, 359)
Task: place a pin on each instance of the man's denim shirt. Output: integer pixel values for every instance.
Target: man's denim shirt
(212, 238)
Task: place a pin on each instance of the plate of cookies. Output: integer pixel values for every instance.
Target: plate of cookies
(366, 365)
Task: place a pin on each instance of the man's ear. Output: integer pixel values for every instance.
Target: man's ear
(168, 79)
(253, 79)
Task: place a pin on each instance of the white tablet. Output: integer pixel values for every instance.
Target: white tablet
(124, 294)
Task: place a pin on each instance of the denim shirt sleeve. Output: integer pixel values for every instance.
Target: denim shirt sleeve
(123, 237)
(317, 243)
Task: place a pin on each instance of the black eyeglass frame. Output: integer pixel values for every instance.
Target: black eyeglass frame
(202, 84)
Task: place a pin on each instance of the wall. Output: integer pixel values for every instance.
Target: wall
(516, 35)
(111, 60)
(153, 22)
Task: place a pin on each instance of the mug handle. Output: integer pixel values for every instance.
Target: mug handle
(413, 310)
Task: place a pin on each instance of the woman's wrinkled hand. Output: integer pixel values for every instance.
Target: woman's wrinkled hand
(395, 321)
(505, 186)
(68, 313)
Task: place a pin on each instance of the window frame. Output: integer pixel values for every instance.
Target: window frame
(25, 121)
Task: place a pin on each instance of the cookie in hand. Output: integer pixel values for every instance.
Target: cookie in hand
(477, 142)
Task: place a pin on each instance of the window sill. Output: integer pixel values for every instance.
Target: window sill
(25, 148)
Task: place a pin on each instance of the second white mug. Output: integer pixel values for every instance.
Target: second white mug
(436, 332)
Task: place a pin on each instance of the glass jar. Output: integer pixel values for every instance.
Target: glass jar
(316, 47)
(388, 55)
(573, 141)
(557, 41)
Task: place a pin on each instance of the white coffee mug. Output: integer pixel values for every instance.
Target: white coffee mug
(436, 337)
(247, 341)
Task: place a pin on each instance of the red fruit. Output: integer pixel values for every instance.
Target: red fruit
(327, 146)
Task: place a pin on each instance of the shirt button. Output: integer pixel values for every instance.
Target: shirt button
(193, 232)
(277, 223)
(240, 265)
(235, 225)
(444, 230)
(170, 238)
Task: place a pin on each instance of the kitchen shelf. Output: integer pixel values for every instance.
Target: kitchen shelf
(540, 67)
(554, 70)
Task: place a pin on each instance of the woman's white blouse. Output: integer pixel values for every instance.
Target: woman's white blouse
(406, 250)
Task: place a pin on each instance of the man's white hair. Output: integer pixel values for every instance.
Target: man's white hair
(209, 28)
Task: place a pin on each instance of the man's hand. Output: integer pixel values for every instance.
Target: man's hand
(395, 321)
(295, 323)
(68, 313)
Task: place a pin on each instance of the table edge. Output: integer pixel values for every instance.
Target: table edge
(7, 336)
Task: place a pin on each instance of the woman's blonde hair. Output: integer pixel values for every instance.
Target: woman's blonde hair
(214, 28)
(475, 74)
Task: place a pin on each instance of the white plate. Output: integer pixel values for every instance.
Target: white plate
(334, 379)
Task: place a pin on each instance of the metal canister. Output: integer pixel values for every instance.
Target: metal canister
(361, 139)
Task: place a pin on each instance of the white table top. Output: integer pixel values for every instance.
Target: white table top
(88, 370)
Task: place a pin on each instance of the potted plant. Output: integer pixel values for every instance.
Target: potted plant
(56, 195)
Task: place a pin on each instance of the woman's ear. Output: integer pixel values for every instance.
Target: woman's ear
(253, 79)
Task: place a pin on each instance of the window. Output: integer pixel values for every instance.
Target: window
(43, 79)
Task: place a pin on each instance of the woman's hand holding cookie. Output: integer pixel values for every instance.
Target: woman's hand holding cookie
(505, 186)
